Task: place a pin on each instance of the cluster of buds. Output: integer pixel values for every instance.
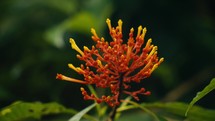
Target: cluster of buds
(116, 64)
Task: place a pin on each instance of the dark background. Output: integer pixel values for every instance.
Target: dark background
(34, 46)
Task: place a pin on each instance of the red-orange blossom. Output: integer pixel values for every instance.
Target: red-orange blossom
(117, 64)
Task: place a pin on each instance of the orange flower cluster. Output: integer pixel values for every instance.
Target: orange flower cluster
(117, 64)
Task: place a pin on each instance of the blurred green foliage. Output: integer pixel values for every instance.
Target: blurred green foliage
(34, 45)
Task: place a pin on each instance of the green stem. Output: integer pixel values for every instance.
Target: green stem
(120, 87)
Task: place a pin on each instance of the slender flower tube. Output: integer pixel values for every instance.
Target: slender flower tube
(116, 64)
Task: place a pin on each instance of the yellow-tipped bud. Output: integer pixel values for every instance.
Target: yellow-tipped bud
(75, 47)
(120, 25)
(86, 49)
(109, 48)
(95, 36)
(161, 60)
(153, 68)
(131, 30)
(77, 69)
(154, 50)
(78, 56)
(139, 30)
(143, 32)
(102, 39)
(82, 89)
(148, 43)
(131, 39)
(156, 65)
(109, 24)
(99, 63)
(72, 67)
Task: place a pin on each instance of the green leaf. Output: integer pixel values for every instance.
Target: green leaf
(135, 115)
(79, 115)
(142, 108)
(201, 94)
(178, 109)
(175, 111)
(24, 110)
